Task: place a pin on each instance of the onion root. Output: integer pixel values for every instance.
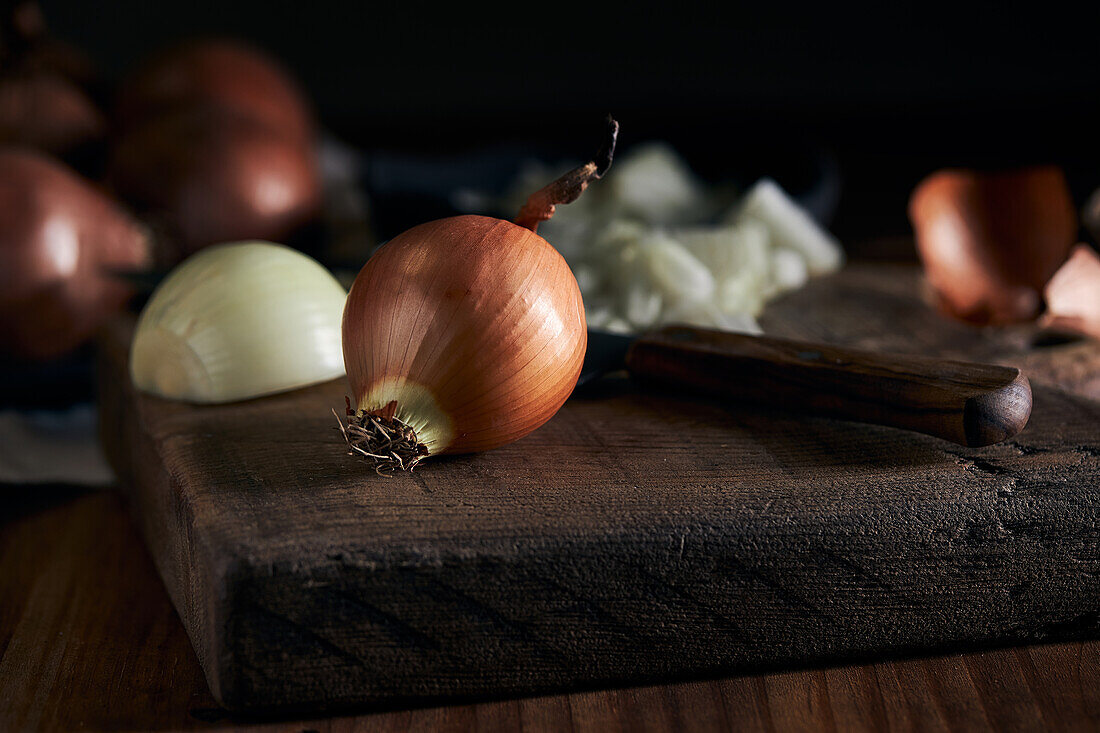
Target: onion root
(387, 442)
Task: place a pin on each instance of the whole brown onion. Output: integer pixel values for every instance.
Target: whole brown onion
(991, 241)
(214, 175)
(466, 333)
(59, 240)
(221, 73)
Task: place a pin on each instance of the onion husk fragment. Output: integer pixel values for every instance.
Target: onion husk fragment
(1073, 295)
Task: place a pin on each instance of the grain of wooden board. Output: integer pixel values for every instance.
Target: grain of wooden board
(638, 536)
(89, 641)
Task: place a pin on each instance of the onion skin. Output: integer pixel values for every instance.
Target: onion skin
(59, 237)
(1073, 294)
(211, 175)
(218, 73)
(469, 329)
(991, 241)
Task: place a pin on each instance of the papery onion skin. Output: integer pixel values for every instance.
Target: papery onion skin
(59, 239)
(1073, 294)
(990, 241)
(212, 175)
(469, 329)
(215, 72)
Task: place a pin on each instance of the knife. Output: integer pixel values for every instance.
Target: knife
(968, 404)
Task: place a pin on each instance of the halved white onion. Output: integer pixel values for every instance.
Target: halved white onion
(237, 321)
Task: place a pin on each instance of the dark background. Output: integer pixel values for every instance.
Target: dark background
(893, 93)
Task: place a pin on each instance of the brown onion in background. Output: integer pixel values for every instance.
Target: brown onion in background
(60, 237)
(991, 241)
(215, 73)
(212, 174)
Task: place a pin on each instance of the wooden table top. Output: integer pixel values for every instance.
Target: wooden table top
(89, 640)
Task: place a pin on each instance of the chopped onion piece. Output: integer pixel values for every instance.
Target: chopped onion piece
(642, 258)
(642, 306)
(618, 325)
(708, 316)
(731, 249)
(790, 226)
(654, 184)
(789, 271)
(674, 271)
(741, 293)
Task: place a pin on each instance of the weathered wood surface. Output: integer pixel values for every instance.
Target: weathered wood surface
(637, 536)
(89, 641)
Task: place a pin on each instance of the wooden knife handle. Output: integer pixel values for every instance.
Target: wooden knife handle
(969, 404)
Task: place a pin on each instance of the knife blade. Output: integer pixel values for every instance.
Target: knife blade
(969, 404)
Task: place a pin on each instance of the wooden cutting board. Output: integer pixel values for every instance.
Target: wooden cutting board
(637, 536)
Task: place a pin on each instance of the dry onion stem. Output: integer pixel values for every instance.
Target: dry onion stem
(389, 443)
(567, 189)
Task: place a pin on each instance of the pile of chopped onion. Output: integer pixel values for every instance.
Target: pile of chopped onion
(646, 252)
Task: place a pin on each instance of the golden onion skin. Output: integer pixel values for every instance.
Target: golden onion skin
(469, 329)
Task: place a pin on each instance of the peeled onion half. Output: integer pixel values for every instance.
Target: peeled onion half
(239, 321)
